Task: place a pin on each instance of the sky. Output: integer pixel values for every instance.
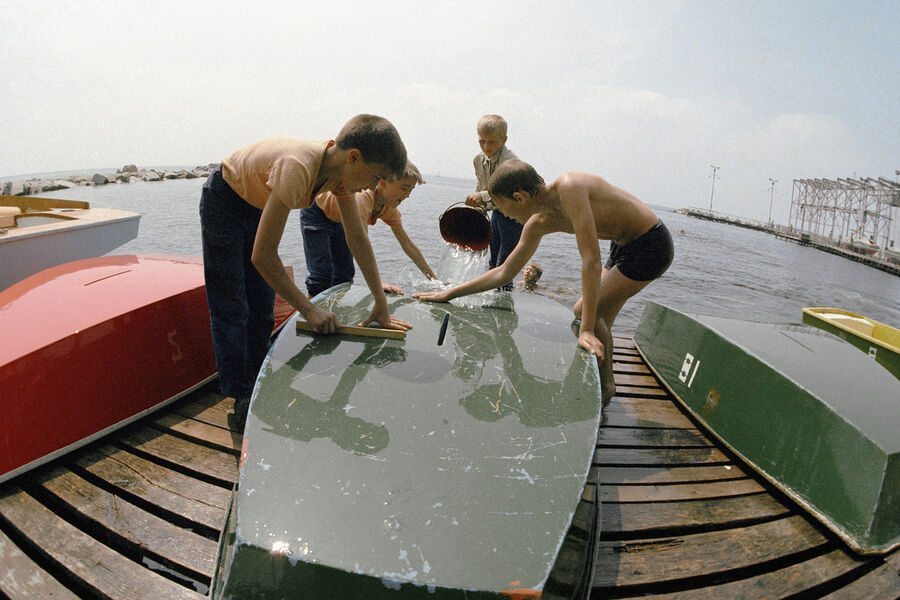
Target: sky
(647, 94)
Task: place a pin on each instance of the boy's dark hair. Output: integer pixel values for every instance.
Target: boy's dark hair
(514, 176)
(377, 141)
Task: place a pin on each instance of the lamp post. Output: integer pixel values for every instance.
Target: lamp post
(771, 199)
(713, 191)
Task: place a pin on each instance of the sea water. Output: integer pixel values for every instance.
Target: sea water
(718, 269)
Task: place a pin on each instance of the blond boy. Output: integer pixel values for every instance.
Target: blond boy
(505, 232)
(328, 259)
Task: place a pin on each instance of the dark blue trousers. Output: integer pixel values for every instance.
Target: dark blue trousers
(240, 301)
(328, 257)
(505, 233)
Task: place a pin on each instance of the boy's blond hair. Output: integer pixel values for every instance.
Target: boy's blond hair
(412, 171)
(492, 124)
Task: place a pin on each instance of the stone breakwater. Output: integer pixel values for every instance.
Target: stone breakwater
(127, 174)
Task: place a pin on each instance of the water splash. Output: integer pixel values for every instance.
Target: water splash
(457, 266)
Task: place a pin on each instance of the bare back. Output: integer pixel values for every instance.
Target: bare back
(618, 214)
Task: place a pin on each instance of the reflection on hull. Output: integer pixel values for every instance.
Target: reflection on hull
(377, 466)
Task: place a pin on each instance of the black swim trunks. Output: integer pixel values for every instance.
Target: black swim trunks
(645, 258)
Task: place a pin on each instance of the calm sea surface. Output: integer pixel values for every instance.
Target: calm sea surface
(718, 269)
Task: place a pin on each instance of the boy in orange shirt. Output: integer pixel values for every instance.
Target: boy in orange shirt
(328, 260)
(592, 209)
(244, 206)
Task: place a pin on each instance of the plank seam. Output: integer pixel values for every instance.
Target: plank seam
(154, 509)
(222, 483)
(684, 530)
(179, 574)
(49, 565)
(712, 579)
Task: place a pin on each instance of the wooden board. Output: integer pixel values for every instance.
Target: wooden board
(393, 334)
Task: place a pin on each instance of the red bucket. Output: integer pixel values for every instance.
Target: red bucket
(466, 227)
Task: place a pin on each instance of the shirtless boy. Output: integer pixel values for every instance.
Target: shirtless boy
(592, 209)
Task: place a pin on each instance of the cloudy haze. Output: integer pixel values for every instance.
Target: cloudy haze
(646, 94)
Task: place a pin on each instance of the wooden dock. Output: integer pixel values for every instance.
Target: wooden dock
(803, 238)
(137, 515)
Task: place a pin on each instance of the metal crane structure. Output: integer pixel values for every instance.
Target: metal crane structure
(855, 212)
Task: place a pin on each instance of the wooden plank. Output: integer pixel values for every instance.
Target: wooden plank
(35, 203)
(644, 457)
(621, 342)
(627, 354)
(194, 500)
(623, 391)
(882, 582)
(213, 399)
(638, 403)
(638, 380)
(644, 412)
(392, 334)
(650, 518)
(218, 464)
(211, 415)
(656, 561)
(627, 358)
(98, 566)
(684, 491)
(21, 578)
(662, 420)
(668, 475)
(795, 579)
(645, 437)
(623, 367)
(204, 432)
(146, 531)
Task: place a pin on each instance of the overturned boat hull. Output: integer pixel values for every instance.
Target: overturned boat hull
(84, 346)
(810, 413)
(449, 464)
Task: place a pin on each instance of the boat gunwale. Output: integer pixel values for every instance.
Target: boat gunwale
(103, 432)
(817, 312)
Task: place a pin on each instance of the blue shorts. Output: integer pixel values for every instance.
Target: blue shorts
(645, 258)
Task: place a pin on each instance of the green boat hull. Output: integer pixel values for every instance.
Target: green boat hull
(377, 468)
(883, 352)
(810, 413)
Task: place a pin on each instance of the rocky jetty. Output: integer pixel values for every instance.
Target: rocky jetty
(127, 174)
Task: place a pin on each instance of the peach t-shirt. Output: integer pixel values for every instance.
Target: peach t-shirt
(365, 202)
(286, 166)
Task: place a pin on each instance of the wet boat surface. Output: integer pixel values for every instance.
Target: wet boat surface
(138, 514)
(448, 464)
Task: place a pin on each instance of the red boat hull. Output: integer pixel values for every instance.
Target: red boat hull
(94, 344)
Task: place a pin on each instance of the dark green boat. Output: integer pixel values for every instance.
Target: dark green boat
(811, 413)
(450, 464)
